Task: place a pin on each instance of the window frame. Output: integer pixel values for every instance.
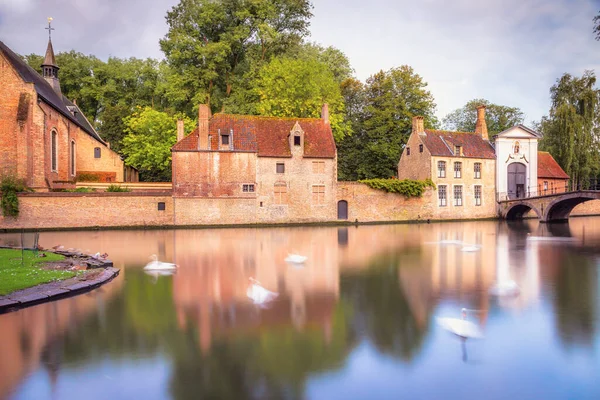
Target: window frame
(318, 167)
(457, 149)
(458, 195)
(54, 151)
(298, 139)
(223, 139)
(97, 152)
(477, 170)
(282, 165)
(73, 159)
(421, 148)
(248, 188)
(280, 196)
(407, 151)
(319, 191)
(477, 189)
(441, 171)
(442, 195)
(457, 169)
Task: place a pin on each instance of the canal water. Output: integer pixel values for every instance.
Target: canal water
(357, 320)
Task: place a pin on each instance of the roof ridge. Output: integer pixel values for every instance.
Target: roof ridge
(269, 117)
(444, 131)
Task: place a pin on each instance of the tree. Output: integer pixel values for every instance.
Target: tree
(570, 128)
(383, 122)
(597, 26)
(498, 118)
(288, 87)
(147, 146)
(209, 40)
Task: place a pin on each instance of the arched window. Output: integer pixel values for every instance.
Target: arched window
(72, 163)
(97, 153)
(54, 152)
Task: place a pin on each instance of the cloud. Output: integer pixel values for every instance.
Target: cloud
(507, 51)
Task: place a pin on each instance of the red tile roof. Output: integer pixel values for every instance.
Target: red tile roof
(268, 136)
(549, 168)
(441, 143)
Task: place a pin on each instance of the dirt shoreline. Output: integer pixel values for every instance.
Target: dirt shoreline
(98, 271)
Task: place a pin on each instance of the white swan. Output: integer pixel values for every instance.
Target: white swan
(159, 265)
(295, 258)
(260, 295)
(461, 327)
(156, 273)
(505, 288)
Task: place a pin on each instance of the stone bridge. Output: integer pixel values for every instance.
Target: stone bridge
(549, 208)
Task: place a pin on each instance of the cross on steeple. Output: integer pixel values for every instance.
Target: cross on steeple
(49, 28)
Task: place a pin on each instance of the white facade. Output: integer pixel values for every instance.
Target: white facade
(516, 162)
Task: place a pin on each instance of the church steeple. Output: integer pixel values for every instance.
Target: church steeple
(49, 67)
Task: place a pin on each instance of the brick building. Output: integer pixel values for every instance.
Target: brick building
(270, 169)
(551, 178)
(461, 164)
(44, 138)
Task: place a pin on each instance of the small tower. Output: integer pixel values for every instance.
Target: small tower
(49, 67)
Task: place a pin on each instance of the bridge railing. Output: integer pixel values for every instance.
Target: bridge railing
(551, 188)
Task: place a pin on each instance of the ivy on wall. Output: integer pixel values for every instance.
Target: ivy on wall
(405, 187)
(9, 187)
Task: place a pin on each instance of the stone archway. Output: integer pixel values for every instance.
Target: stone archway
(519, 210)
(516, 178)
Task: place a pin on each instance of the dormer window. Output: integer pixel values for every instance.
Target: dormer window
(225, 140)
(297, 140)
(457, 150)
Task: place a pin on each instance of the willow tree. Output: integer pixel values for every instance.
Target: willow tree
(570, 128)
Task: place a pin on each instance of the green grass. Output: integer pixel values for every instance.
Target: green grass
(17, 276)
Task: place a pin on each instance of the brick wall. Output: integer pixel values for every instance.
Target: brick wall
(80, 210)
(417, 164)
(108, 162)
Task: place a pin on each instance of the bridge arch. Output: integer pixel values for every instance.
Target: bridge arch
(518, 210)
(559, 209)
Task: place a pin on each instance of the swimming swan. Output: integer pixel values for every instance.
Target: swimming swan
(461, 327)
(295, 258)
(159, 265)
(258, 294)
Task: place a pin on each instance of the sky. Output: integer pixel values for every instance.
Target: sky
(509, 52)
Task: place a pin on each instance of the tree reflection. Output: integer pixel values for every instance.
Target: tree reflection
(381, 308)
(576, 300)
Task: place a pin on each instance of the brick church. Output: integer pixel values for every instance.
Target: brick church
(45, 139)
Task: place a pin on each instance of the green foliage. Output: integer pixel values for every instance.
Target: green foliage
(406, 187)
(209, 42)
(570, 130)
(298, 88)
(498, 118)
(17, 274)
(9, 187)
(87, 177)
(81, 190)
(117, 188)
(147, 146)
(381, 114)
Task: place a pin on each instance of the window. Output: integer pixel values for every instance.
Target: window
(72, 163)
(441, 169)
(54, 151)
(318, 167)
(442, 195)
(318, 194)
(248, 188)
(408, 151)
(161, 206)
(225, 140)
(457, 169)
(280, 168)
(477, 195)
(97, 153)
(458, 195)
(420, 148)
(457, 150)
(477, 170)
(296, 140)
(280, 193)
(545, 185)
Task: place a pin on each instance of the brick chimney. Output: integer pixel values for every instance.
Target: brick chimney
(203, 118)
(325, 113)
(418, 126)
(180, 130)
(480, 125)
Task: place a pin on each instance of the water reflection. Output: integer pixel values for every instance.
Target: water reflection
(368, 291)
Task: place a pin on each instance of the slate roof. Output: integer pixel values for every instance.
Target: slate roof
(47, 93)
(549, 168)
(267, 136)
(441, 143)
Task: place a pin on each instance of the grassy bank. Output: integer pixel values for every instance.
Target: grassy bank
(16, 274)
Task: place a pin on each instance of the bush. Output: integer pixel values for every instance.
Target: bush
(87, 177)
(405, 187)
(81, 190)
(10, 186)
(117, 188)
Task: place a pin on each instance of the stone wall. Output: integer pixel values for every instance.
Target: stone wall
(108, 162)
